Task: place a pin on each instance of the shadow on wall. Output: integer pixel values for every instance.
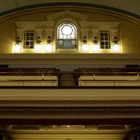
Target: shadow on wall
(133, 133)
(4, 134)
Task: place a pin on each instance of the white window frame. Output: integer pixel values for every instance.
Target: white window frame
(66, 38)
(105, 40)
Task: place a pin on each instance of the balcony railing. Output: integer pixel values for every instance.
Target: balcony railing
(108, 77)
(27, 77)
(80, 78)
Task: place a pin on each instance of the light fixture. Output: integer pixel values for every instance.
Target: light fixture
(48, 47)
(85, 47)
(96, 48)
(116, 47)
(38, 46)
(17, 46)
(95, 45)
(68, 126)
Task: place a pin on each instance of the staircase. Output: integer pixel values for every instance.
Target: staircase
(67, 79)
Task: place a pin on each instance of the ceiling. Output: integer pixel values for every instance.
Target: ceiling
(128, 7)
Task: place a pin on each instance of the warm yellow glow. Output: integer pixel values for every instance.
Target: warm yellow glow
(16, 48)
(85, 48)
(96, 48)
(48, 48)
(116, 48)
(38, 48)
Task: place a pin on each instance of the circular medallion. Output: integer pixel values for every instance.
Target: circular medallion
(67, 30)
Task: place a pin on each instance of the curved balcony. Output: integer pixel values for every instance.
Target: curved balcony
(80, 78)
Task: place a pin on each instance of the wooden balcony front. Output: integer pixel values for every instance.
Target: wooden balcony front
(38, 96)
(80, 78)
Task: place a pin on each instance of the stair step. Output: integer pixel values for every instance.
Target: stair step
(67, 79)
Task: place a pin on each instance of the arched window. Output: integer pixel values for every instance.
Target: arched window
(67, 36)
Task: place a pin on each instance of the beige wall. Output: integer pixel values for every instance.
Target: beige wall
(67, 134)
(129, 28)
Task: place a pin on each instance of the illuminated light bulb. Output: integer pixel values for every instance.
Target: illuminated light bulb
(95, 47)
(85, 48)
(48, 48)
(38, 48)
(116, 48)
(16, 48)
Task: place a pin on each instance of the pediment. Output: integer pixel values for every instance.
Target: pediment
(67, 14)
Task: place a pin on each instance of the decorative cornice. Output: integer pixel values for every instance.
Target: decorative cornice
(34, 25)
(123, 58)
(69, 115)
(69, 103)
(70, 112)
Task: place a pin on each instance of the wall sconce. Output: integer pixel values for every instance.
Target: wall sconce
(95, 45)
(38, 46)
(17, 46)
(48, 47)
(85, 47)
(116, 47)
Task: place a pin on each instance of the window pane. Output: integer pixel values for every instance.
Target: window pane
(29, 40)
(67, 36)
(104, 40)
(67, 44)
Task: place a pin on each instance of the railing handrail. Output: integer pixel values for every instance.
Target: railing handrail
(40, 76)
(75, 71)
